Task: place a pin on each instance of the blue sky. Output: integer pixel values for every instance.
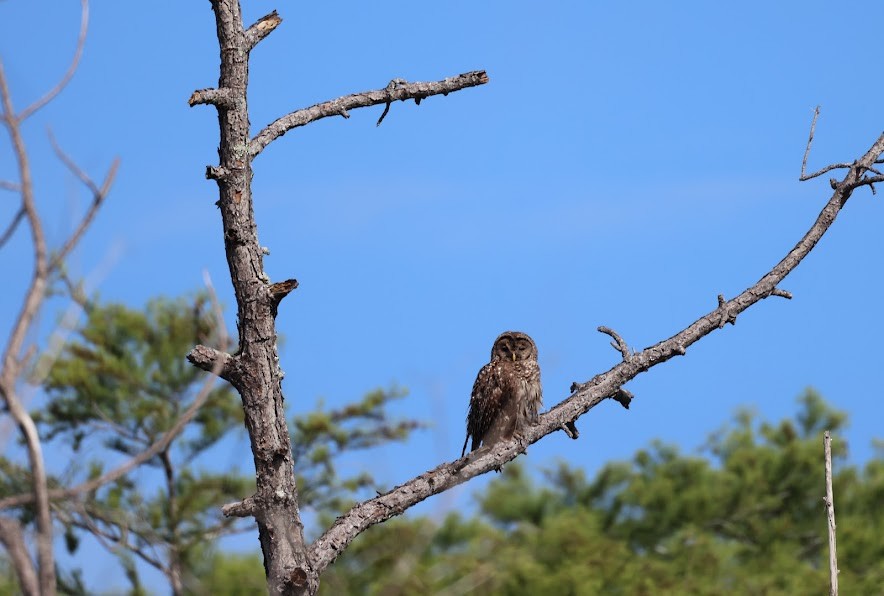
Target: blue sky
(627, 163)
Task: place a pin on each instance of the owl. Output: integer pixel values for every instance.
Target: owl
(507, 394)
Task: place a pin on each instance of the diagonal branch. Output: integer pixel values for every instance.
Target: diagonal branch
(68, 75)
(397, 90)
(13, 225)
(586, 396)
(13, 539)
(261, 29)
(99, 194)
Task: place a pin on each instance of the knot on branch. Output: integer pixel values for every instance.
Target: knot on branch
(214, 361)
(623, 396)
(298, 577)
(618, 343)
(570, 429)
(726, 315)
(390, 88)
(244, 508)
(216, 173)
(223, 97)
(781, 293)
(280, 290)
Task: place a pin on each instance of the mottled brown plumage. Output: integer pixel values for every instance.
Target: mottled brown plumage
(507, 394)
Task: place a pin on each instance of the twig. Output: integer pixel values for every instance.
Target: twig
(830, 516)
(10, 230)
(68, 75)
(620, 345)
(816, 114)
(98, 196)
(835, 166)
(727, 315)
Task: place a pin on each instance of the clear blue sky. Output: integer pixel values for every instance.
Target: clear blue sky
(627, 163)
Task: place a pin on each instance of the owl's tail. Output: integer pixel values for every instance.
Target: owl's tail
(465, 441)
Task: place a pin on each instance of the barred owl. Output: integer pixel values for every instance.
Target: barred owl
(507, 394)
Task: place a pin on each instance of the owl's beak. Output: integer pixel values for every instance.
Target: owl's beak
(514, 356)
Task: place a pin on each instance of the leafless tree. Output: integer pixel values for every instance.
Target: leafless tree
(19, 354)
(292, 565)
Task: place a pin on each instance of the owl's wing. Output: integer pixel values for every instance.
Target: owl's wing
(485, 402)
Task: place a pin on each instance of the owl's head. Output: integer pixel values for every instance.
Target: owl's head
(514, 346)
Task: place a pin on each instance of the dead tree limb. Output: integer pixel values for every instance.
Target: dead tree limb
(15, 353)
(830, 516)
(254, 369)
(587, 395)
(13, 540)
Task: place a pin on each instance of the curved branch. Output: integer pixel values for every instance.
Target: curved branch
(10, 366)
(397, 90)
(75, 62)
(586, 396)
(13, 539)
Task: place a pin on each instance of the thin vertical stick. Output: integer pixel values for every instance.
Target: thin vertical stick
(830, 514)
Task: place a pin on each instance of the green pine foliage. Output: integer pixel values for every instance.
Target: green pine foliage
(120, 385)
(745, 518)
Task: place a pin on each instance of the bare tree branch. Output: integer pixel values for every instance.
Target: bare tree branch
(99, 194)
(10, 230)
(218, 97)
(397, 90)
(10, 186)
(830, 516)
(212, 360)
(586, 396)
(69, 74)
(10, 368)
(835, 166)
(14, 541)
(261, 29)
